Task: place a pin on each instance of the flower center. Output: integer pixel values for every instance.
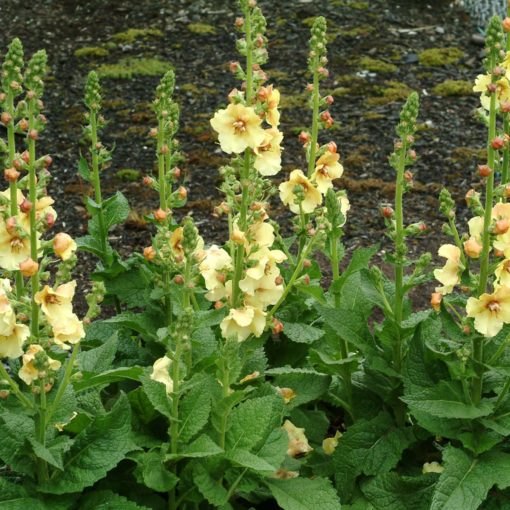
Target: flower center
(239, 126)
(52, 300)
(16, 244)
(494, 306)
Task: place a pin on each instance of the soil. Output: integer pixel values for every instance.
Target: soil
(390, 31)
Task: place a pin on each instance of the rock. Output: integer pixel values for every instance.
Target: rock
(440, 30)
(478, 39)
(411, 58)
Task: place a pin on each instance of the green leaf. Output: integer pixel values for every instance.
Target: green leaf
(203, 446)
(467, 479)
(52, 452)
(301, 333)
(389, 491)
(143, 323)
(99, 359)
(96, 450)
(304, 494)
(212, 491)
(15, 497)
(108, 377)
(194, 410)
(107, 500)
(249, 460)
(154, 473)
(359, 260)
(157, 395)
(91, 244)
(83, 169)
(251, 422)
(132, 287)
(370, 447)
(446, 400)
(308, 385)
(274, 450)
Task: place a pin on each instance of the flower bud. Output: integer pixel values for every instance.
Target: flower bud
(153, 133)
(160, 215)
(11, 174)
(304, 137)
(179, 279)
(491, 88)
(306, 279)
(387, 212)
(332, 147)
(309, 87)
(4, 394)
(177, 172)
(501, 226)
(472, 248)
(33, 134)
(48, 160)
(278, 280)
(63, 245)
(182, 192)
(506, 25)
(498, 143)
(28, 267)
(412, 154)
(149, 253)
(10, 224)
(484, 171)
(234, 67)
(277, 326)
(323, 72)
(5, 118)
(148, 180)
(435, 301)
(23, 124)
(218, 305)
(25, 206)
(50, 220)
(466, 330)
(164, 149)
(221, 277)
(408, 176)
(239, 22)
(307, 263)
(329, 100)
(25, 156)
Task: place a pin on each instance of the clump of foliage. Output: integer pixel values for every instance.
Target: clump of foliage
(236, 375)
(437, 57)
(128, 67)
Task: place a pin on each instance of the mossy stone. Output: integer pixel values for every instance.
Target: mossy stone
(132, 34)
(453, 88)
(377, 66)
(201, 28)
(126, 68)
(91, 52)
(128, 174)
(438, 57)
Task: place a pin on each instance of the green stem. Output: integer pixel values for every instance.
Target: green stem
(225, 384)
(32, 187)
(97, 181)
(506, 152)
(233, 487)
(161, 165)
(42, 466)
(486, 245)
(503, 393)
(13, 189)
(15, 388)
(315, 122)
(64, 383)
(174, 425)
(293, 278)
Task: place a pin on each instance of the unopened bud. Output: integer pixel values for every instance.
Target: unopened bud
(304, 137)
(412, 154)
(332, 147)
(25, 206)
(25, 156)
(48, 160)
(153, 133)
(182, 193)
(6, 118)
(23, 124)
(10, 225)
(218, 305)
(33, 134)
(306, 279)
(179, 279)
(148, 180)
(164, 149)
(309, 87)
(160, 215)
(472, 248)
(491, 88)
(498, 143)
(11, 174)
(4, 394)
(28, 267)
(277, 326)
(278, 280)
(501, 226)
(234, 67)
(435, 301)
(307, 263)
(408, 176)
(50, 220)
(387, 212)
(323, 72)
(329, 100)
(484, 171)
(149, 253)
(239, 22)
(177, 172)
(466, 330)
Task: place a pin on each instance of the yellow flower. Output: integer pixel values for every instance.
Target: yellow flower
(298, 443)
(29, 372)
(43, 207)
(242, 322)
(475, 225)
(432, 467)
(502, 272)
(272, 98)
(64, 245)
(238, 128)
(490, 311)
(449, 274)
(268, 155)
(312, 196)
(11, 343)
(287, 394)
(502, 90)
(176, 242)
(14, 246)
(67, 330)
(161, 373)
(213, 268)
(261, 234)
(7, 315)
(56, 304)
(327, 169)
(330, 443)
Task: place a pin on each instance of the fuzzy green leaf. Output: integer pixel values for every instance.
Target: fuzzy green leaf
(466, 479)
(99, 359)
(157, 395)
(96, 450)
(108, 500)
(249, 460)
(301, 333)
(154, 473)
(212, 491)
(203, 446)
(194, 410)
(304, 494)
(110, 376)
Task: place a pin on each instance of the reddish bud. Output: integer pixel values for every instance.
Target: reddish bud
(25, 206)
(148, 180)
(387, 212)
(307, 263)
(484, 171)
(278, 280)
(11, 174)
(50, 220)
(491, 88)
(5, 118)
(501, 226)
(304, 137)
(165, 149)
(153, 133)
(498, 143)
(466, 330)
(33, 134)
(182, 192)
(408, 176)
(472, 248)
(412, 154)
(218, 305)
(323, 72)
(239, 22)
(178, 279)
(234, 67)
(306, 279)
(149, 253)
(277, 326)
(332, 147)
(10, 224)
(177, 172)
(48, 161)
(506, 24)
(25, 156)
(329, 100)
(160, 215)
(23, 124)
(309, 87)
(28, 267)
(435, 301)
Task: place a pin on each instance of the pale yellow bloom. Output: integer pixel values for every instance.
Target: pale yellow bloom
(12, 342)
(14, 246)
(287, 394)
(298, 442)
(312, 196)
(502, 272)
(261, 234)
(475, 225)
(7, 315)
(161, 373)
(490, 311)
(448, 276)
(214, 268)
(176, 241)
(330, 443)
(43, 207)
(56, 304)
(67, 330)
(327, 169)
(502, 89)
(238, 128)
(268, 155)
(28, 372)
(243, 322)
(64, 245)
(272, 98)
